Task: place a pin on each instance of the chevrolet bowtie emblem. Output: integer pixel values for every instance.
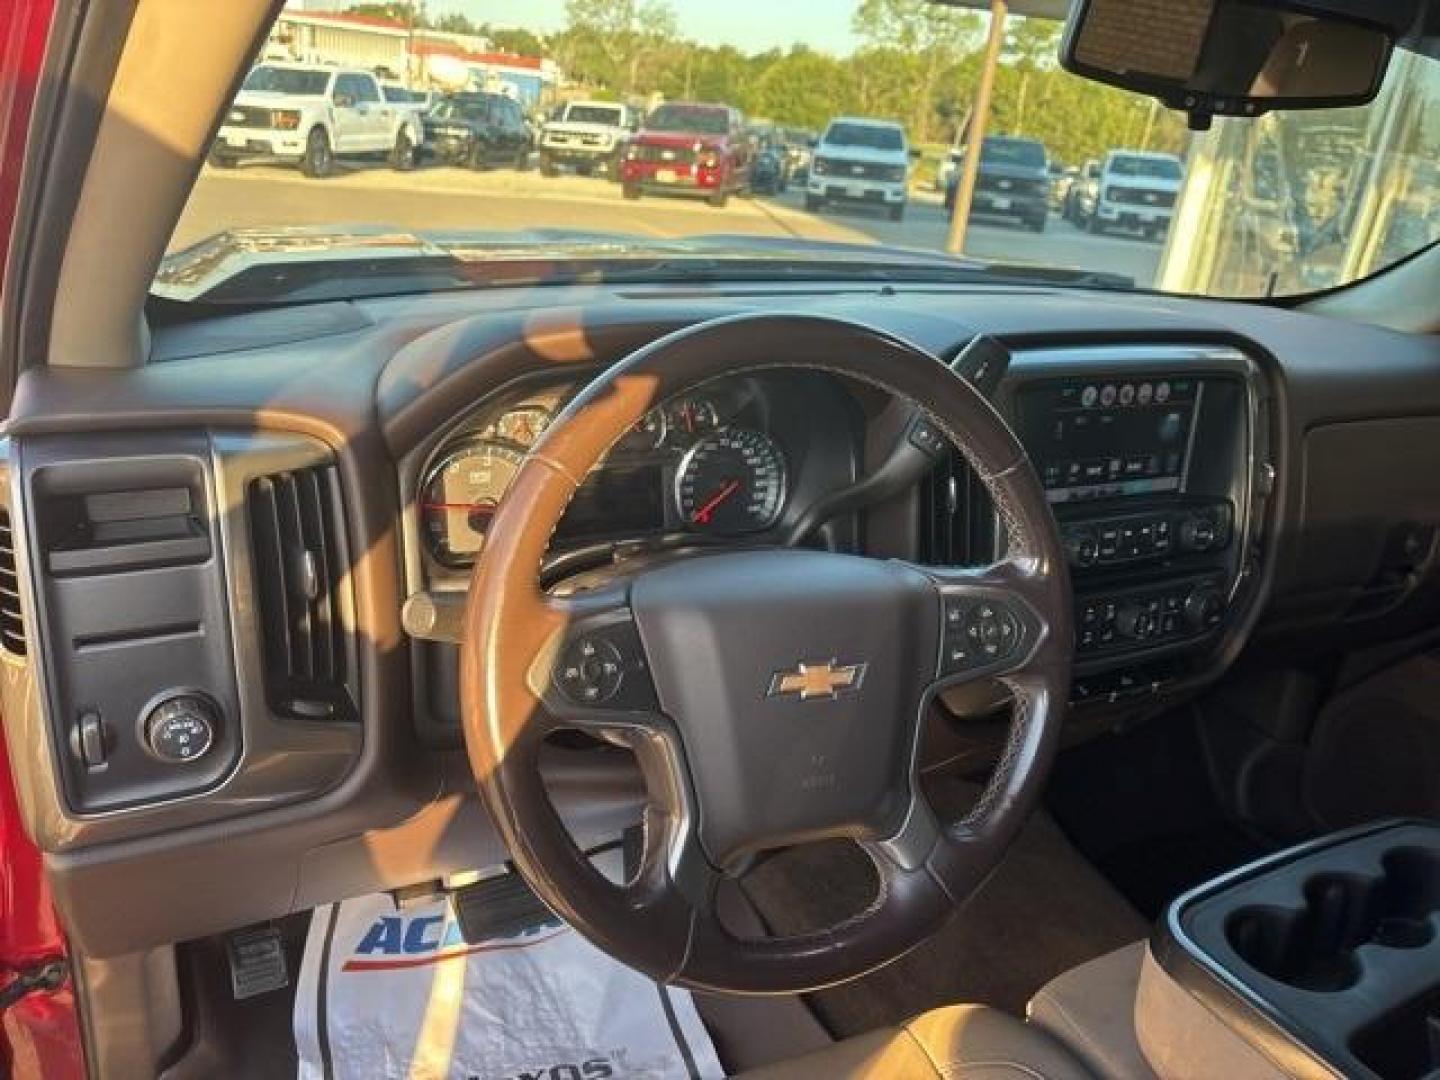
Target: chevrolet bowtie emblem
(817, 680)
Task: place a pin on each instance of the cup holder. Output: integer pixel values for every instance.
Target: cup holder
(1313, 947)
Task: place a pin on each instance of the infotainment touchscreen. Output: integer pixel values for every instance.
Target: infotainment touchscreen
(1110, 437)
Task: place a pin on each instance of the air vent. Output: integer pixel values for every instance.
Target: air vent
(301, 558)
(957, 524)
(12, 620)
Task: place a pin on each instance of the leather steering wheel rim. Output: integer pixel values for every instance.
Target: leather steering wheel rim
(517, 637)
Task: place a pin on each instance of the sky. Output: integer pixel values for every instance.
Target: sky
(751, 25)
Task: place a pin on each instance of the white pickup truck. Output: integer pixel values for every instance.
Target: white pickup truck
(588, 136)
(309, 115)
(1136, 190)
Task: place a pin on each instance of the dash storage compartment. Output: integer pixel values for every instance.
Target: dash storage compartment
(1336, 942)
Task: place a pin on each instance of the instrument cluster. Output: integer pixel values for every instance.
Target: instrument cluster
(705, 463)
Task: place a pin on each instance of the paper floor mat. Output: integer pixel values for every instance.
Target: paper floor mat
(385, 992)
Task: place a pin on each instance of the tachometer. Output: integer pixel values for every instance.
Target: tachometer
(460, 495)
(731, 482)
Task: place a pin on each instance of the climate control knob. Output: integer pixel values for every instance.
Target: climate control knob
(1134, 622)
(1204, 608)
(1199, 533)
(181, 729)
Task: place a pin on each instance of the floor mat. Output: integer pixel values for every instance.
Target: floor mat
(1044, 911)
(387, 992)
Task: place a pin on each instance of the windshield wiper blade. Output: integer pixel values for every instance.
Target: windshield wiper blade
(882, 272)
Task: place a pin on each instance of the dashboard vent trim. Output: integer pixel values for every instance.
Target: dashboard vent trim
(12, 614)
(301, 555)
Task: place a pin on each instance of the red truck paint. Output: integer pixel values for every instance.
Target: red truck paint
(39, 1034)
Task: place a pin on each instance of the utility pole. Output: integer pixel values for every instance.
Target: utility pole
(979, 115)
(1149, 124)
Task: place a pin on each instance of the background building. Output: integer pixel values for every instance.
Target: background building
(425, 59)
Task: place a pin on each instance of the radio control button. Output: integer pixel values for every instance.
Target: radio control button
(1084, 548)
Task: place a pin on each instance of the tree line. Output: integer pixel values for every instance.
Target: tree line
(917, 62)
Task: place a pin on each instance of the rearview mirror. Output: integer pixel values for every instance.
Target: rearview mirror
(1226, 57)
(344, 101)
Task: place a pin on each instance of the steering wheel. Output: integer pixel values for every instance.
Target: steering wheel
(771, 697)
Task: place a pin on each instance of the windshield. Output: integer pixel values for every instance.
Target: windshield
(278, 80)
(593, 114)
(1146, 167)
(688, 118)
(353, 200)
(868, 136)
(1013, 152)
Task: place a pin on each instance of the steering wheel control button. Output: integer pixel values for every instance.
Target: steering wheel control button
(602, 666)
(181, 729)
(591, 671)
(925, 436)
(978, 633)
(992, 631)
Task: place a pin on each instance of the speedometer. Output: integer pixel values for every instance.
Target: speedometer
(459, 498)
(731, 482)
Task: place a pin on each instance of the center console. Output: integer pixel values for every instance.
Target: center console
(1324, 959)
(1154, 461)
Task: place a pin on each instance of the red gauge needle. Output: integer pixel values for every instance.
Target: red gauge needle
(707, 512)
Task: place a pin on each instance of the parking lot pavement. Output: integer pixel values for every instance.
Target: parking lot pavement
(504, 200)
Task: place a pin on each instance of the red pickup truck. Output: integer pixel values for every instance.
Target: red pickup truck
(689, 149)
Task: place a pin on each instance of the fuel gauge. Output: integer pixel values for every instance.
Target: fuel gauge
(523, 425)
(690, 419)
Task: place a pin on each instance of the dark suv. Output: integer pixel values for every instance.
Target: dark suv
(1013, 181)
(478, 130)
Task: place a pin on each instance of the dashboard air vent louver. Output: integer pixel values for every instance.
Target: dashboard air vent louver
(301, 560)
(957, 518)
(12, 620)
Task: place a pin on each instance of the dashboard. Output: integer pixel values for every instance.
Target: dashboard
(227, 541)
